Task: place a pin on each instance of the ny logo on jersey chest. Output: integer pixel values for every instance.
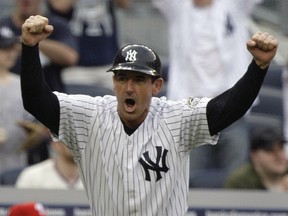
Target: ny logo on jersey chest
(148, 164)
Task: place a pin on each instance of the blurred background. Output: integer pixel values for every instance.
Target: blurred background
(142, 22)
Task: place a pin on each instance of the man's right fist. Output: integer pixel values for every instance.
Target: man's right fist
(35, 29)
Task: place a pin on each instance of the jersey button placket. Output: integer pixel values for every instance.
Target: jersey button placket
(130, 156)
(130, 153)
(131, 195)
(131, 191)
(129, 142)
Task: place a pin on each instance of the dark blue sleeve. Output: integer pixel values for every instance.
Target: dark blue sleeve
(37, 97)
(231, 105)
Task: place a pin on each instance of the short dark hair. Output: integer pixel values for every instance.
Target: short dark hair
(266, 138)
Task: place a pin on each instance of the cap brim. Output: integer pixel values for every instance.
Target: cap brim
(268, 145)
(8, 42)
(129, 66)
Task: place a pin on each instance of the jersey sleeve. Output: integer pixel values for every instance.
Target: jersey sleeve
(197, 123)
(76, 112)
(188, 124)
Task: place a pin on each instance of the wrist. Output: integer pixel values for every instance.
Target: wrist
(262, 65)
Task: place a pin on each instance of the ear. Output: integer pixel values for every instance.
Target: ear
(157, 86)
(253, 155)
(113, 79)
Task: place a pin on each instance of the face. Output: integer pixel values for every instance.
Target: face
(8, 56)
(272, 162)
(134, 91)
(26, 8)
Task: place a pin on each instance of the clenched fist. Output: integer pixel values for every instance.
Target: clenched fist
(35, 29)
(263, 48)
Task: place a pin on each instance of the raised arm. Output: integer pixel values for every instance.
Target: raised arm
(228, 107)
(38, 99)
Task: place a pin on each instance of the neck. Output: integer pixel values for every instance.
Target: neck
(272, 181)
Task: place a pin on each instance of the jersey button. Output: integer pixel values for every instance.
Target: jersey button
(131, 195)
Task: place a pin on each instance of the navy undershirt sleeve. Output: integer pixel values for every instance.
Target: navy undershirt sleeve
(231, 105)
(37, 97)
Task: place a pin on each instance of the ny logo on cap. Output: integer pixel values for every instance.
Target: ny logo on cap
(131, 55)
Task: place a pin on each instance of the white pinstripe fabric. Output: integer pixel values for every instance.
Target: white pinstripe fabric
(108, 158)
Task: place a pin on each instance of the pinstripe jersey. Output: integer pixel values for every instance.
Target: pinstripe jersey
(146, 173)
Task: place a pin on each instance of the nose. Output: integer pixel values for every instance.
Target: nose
(130, 86)
(280, 151)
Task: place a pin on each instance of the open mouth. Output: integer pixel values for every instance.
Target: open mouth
(130, 105)
(130, 102)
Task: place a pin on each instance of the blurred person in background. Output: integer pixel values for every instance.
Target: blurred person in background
(268, 166)
(58, 51)
(285, 102)
(206, 57)
(14, 120)
(94, 24)
(58, 172)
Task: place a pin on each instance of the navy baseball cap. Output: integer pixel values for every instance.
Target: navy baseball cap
(266, 137)
(7, 38)
(138, 58)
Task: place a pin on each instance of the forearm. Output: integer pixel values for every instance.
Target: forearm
(59, 53)
(231, 105)
(38, 99)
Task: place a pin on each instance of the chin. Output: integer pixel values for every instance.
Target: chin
(130, 117)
